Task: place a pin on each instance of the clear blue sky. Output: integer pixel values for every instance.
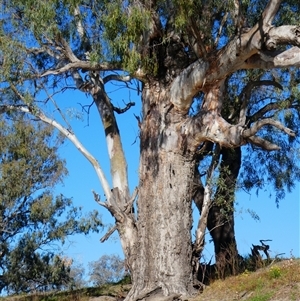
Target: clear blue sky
(281, 225)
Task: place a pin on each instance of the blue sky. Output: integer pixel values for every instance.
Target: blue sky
(280, 225)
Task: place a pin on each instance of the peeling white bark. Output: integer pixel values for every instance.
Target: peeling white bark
(187, 84)
(110, 146)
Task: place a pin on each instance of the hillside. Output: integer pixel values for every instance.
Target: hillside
(277, 282)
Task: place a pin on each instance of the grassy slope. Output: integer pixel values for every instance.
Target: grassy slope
(277, 282)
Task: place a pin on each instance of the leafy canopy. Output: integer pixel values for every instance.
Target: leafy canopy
(32, 219)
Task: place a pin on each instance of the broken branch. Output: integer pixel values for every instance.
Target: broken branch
(108, 233)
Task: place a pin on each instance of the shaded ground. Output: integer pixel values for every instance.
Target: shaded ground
(277, 282)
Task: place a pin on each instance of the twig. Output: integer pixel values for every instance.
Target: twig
(121, 111)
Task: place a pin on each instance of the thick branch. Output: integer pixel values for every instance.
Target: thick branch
(270, 12)
(117, 158)
(263, 122)
(209, 126)
(270, 60)
(188, 84)
(267, 145)
(205, 72)
(82, 65)
(95, 87)
(244, 51)
(283, 35)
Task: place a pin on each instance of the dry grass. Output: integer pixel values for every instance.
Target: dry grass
(279, 281)
(112, 290)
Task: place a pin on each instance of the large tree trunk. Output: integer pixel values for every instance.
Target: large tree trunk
(163, 261)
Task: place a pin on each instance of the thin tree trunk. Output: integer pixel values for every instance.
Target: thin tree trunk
(220, 220)
(221, 215)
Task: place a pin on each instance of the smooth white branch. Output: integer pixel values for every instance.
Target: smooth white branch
(69, 135)
(270, 12)
(207, 201)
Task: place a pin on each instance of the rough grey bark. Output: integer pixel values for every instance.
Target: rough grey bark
(166, 173)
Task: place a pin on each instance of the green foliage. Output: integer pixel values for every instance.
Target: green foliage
(32, 219)
(37, 272)
(261, 297)
(123, 30)
(275, 272)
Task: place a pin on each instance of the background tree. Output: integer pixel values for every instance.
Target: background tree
(32, 219)
(279, 169)
(77, 274)
(198, 65)
(107, 269)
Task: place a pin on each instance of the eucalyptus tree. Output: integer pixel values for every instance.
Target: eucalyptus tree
(32, 218)
(197, 64)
